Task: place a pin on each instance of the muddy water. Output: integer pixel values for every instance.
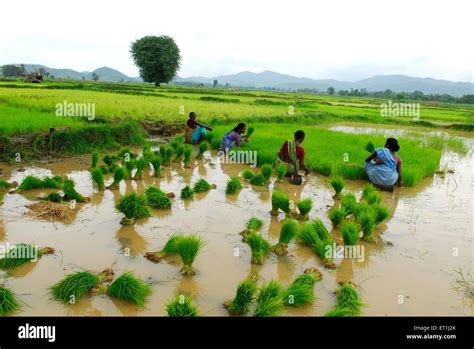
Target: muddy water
(408, 272)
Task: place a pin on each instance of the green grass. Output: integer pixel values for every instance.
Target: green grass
(288, 231)
(188, 248)
(233, 186)
(245, 295)
(201, 186)
(280, 201)
(269, 300)
(348, 302)
(156, 198)
(21, 254)
(187, 193)
(181, 306)
(259, 247)
(304, 207)
(350, 233)
(8, 301)
(129, 288)
(336, 215)
(337, 184)
(74, 286)
(133, 206)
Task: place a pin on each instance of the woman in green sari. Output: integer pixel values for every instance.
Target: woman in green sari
(292, 153)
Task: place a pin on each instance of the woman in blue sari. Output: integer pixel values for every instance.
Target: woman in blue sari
(384, 167)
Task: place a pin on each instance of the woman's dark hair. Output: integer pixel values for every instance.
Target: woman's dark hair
(239, 127)
(299, 134)
(392, 144)
(191, 114)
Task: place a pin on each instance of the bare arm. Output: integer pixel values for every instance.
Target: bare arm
(205, 126)
(371, 157)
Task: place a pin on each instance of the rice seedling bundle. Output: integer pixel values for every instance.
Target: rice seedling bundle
(181, 306)
(366, 220)
(266, 170)
(104, 169)
(304, 207)
(129, 167)
(94, 158)
(179, 153)
(202, 186)
(125, 154)
(281, 169)
(245, 295)
(258, 180)
(187, 193)
(119, 175)
(170, 249)
(269, 300)
(233, 186)
(32, 182)
(311, 237)
(157, 198)
(112, 168)
(337, 184)
(247, 174)
(203, 147)
(156, 163)
(350, 233)
(74, 286)
(52, 197)
(336, 216)
(70, 192)
(109, 160)
(349, 203)
(300, 292)
(141, 164)
(5, 184)
(259, 247)
(253, 224)
(168, 155)
(98, 178)
(250, 131)
(289, 229)
(188, 150)
(188, 248)
(370, 147)
(280, 201)
(381, 213)
(307, 235)
(133, 206)
(368, 190)
(8, 301)
(348, 302)
(321, 230)
(22, 254)
(147, 153)
(129, 288)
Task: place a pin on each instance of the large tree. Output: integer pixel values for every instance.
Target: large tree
(157, 58)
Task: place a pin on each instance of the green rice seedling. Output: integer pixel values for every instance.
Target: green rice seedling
(233, 186)
(309, 278)
(259, 247)
(280, 201)
(203, 186)
(247, 174)
(125, 154)
(170, 249)
(141, 164)
(246, 292)
(109, 160)
(307, 235)
(374, 198)
(368, 190)
(304, 207)
(250, 131)
(349, 203)
(21, 254)
(129, 167)
(370, 147)
(104, 169)
(52, 197)
(98, 178)
(366, 220)
(70, 192)
(348, 301)
(119, 175)
(129, 288)
(187, 193)
(74, 286)
(339, 312)
(179, 153)
(133, 206)
(162, 151)
(321, 230)
(289, 229)
(113, 168)
(269, 300)
(31, 182)
(203, 147)
(350, 233)
(188, 151)
(266, 171)
(157, 198)
(181, 306)
(175, 143)
(188, 248)
(52, 182)
(5, 184)
(381, 213)
(281, 169)
(95, 158)
(8, 301)
(258, 180)
(168, 156)
(156, 163)
(299, 293)
(253, 224)
(336, 215)
(337, 184)
(147, 153)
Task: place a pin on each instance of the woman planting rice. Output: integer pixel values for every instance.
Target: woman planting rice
(234, 138)
(195, 131)
(384, 167)
(292, 153)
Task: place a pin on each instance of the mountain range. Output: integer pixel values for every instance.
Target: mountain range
(270, 79)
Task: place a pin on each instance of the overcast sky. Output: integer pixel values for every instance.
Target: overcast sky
(344, 40)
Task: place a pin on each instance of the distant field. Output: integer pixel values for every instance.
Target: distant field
(31, 107)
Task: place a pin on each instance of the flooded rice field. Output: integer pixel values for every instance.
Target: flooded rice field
(408, 271)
